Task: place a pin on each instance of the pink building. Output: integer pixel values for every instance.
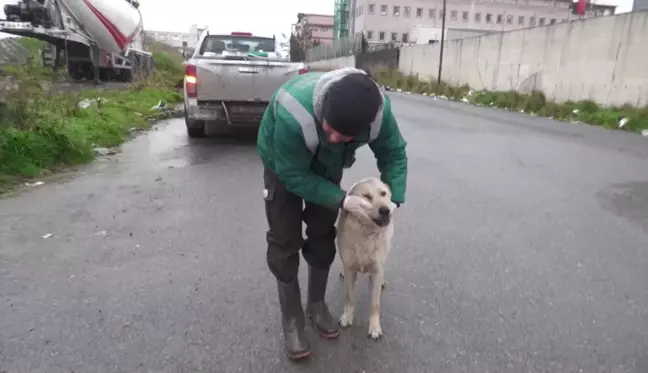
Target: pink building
(319, 25)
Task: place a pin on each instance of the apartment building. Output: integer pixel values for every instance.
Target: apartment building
(319, 26)
(385, 21)
(639, 5)
(179, 40)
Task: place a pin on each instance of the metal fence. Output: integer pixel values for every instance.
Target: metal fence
(342, 47)
(379, 58)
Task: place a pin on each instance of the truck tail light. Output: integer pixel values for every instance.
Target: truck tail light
(191, 80)
(303, 70)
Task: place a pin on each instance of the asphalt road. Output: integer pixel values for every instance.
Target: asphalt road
(522, 247)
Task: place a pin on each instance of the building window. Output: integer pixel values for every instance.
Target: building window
(405, 38)
(499, 19)
(372, 8)
(396, 11)
(361, 9)
(464, 16)
(509, 19)
(521, 20)
(541, 21)
(489, 18)
(408, 11)
(453, 15)
(441, 14)
(478, 17)
(553, 21)
(431, 13)
(394, 36)
(383, 10)
(370, 35)
(419, 12)
(381, 35)
(532, 20)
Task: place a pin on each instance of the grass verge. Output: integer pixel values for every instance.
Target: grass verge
(626, 118)
(42, 130)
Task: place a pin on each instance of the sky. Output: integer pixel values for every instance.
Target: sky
(261, 17)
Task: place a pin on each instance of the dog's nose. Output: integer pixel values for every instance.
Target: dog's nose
(383, 210)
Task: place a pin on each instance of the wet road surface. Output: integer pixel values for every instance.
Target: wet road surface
(522, 247)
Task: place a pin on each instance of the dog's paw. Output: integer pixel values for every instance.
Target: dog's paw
(375, 332)
(346, 320)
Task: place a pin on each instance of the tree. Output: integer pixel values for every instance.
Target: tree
(364, 44)
(301, 39)
(297, 52)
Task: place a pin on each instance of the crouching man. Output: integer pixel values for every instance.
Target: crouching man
(309, 133)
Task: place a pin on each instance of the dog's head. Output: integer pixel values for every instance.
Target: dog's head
(379, 195)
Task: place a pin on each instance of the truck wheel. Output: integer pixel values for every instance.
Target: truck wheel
(195, 128)
(126, 76)
(196, 132)
(74, 71)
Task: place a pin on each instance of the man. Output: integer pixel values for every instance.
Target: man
(309, 133)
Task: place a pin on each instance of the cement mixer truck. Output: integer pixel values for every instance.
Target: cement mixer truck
(93, 39)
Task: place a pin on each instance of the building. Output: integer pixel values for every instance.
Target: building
(639, 5)
(318, 26)
(342, 17)
(181, 40)
(383, 21)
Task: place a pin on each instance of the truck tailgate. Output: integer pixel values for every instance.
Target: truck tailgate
(235, 80)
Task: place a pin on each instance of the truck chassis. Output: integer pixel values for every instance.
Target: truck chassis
(66, 44)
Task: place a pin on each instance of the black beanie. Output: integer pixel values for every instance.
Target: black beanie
(351, 104)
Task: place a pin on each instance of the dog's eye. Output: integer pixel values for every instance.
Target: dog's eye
(367, 196)
(383, 193)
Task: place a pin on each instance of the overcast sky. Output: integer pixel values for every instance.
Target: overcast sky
(261, 17)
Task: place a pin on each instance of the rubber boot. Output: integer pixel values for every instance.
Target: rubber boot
(316, 307)
(293, 321)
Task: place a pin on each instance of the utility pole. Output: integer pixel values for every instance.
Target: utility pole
(443, 23)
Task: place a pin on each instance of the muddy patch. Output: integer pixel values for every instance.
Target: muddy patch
(629, 200)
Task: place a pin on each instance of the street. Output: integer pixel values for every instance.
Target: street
(522, 247)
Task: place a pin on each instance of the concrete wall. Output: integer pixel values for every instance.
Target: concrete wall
(601, 59)
(327, 65)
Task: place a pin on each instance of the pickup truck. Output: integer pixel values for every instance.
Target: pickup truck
(230, 79)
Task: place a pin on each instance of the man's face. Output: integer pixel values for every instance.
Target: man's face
(334, 136)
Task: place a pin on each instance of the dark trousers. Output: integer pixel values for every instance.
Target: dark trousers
(285, 212)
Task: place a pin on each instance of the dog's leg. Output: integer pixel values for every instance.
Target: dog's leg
(350, 277)
(376, 281)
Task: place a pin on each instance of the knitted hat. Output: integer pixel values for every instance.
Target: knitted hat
(351, 104)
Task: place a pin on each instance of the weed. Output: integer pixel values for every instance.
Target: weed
(536, 103)
(43, 130)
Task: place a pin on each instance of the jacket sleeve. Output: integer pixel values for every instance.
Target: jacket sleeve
(292, 166)
(391, 157)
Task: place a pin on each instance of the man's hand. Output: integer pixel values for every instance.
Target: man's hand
(357, 206)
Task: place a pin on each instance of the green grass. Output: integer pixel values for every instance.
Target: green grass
(534, 103)
(43, 131)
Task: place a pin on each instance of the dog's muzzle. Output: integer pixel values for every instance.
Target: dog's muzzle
(384, 217)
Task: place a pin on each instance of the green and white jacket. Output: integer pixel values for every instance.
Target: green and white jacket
(291, 142)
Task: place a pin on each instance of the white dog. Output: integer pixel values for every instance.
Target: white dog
(363, 244)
